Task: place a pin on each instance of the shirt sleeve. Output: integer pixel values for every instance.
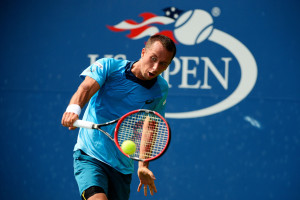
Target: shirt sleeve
(99, 71)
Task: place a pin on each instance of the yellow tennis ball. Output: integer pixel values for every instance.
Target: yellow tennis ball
(128, 147)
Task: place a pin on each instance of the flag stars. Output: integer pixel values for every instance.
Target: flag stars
(172, 12)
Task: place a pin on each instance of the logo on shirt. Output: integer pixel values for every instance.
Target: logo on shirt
(213, 82)
(149, 101)
(97, 64)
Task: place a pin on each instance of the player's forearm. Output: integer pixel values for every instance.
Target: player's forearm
(84, 92)
(81, 97)
(144, 164)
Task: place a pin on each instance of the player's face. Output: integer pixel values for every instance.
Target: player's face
(155, 59)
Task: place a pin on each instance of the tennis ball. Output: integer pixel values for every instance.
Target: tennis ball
(193, 27)
(128, 147)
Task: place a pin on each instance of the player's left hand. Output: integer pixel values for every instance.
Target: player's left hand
(147, 179)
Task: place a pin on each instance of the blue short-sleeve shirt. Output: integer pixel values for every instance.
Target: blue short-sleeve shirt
(120, 92)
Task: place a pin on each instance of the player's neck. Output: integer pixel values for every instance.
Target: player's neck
(136, 70)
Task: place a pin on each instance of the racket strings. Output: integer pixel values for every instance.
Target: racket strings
(151, 140)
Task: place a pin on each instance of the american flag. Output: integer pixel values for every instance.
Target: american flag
(149, 25)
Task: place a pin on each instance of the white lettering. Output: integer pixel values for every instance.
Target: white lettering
(209, 65)
(118, 56)
(186, 72)
(108, 56)
(93, 58)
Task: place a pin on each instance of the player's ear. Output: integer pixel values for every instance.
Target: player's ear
(143, 52)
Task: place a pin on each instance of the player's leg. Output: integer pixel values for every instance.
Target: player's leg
(98, 181)
(91, 177)
(99, 196)
(94, 193)
(118, 185)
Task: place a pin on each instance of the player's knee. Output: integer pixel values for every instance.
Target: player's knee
(94, 193)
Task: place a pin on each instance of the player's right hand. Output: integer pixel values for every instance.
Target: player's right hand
(68, 120)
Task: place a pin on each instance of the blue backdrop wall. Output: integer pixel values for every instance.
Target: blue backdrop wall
(233, 105)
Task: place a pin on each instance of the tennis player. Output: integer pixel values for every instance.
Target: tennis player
(113, 88)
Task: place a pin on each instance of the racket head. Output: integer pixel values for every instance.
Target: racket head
(148, 130)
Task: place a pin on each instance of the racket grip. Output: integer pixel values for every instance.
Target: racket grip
(83, 124)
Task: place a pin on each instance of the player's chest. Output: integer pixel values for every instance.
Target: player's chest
(134, 93)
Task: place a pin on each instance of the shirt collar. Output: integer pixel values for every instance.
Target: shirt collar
(130, 76)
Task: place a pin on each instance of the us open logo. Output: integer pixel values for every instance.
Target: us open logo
(211, 58)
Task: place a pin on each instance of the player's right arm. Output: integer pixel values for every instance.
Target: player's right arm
(83, 94)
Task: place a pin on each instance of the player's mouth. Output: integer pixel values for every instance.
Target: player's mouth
(151, 75)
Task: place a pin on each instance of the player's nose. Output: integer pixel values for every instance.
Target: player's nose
(155, 67)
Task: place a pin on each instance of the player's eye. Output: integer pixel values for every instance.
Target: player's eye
(154, 59)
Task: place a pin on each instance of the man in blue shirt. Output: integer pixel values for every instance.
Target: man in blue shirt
(113, 88)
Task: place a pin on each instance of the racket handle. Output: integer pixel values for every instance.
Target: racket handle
(83, 124)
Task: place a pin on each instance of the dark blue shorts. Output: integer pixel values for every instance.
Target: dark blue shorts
(90, 172)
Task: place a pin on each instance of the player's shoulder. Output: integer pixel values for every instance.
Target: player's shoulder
(111, 65)
(162, 82)
(112, 62)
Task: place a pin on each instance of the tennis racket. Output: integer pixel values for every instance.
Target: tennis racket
(146, 128)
